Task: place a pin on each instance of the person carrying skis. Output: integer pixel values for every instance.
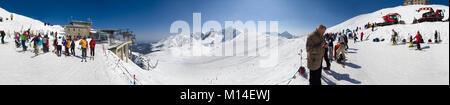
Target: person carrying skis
(92, 46)
(84, 46)
(418, 38)
(315, 45)
(23, 37)
(2, 33)
(72, 46)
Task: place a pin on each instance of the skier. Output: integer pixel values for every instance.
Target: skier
(394, 37)
(362, 34)
(418, 38)
(315, 45)
(23, 37)
(84, 46)
(92, 46)
(35, 41)
(2, 32)
(72, 46)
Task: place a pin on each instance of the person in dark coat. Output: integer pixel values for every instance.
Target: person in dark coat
(315, 48)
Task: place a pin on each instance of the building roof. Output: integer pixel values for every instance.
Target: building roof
(80, 22)
(72, 26)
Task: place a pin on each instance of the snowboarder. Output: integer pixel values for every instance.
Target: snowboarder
(418, 38)
(92, 46)
(315, 45)
(410, 41)
(84, 46)
(72, 46)
(394, 37)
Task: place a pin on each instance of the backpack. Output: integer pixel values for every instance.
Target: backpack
(72, 45)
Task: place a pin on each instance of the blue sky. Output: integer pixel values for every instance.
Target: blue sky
(151, 19)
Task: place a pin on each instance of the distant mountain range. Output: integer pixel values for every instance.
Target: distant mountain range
(146, 47)
(286, 34)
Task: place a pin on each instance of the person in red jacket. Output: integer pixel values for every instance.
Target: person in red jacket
(92, 46)
(362, 34)
(418, 38)
(336, 48)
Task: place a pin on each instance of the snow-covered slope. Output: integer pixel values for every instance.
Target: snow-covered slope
(408, 13)
(21, 23)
